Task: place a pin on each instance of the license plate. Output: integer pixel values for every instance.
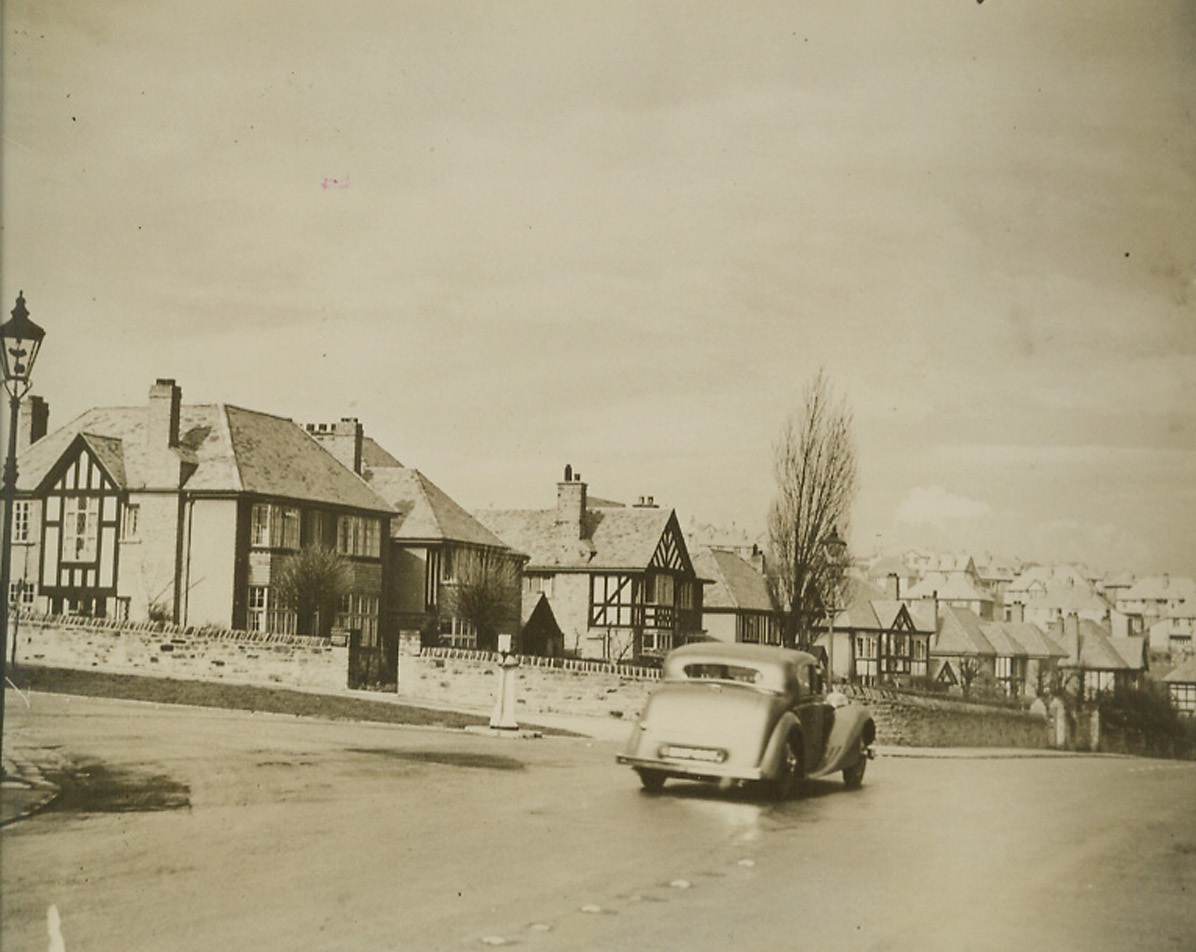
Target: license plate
(704, 754)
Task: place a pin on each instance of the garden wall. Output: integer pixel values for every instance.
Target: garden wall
(907, 720)
(470, 679)
(239, 657)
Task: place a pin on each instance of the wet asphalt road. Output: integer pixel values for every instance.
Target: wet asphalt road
(193, 829)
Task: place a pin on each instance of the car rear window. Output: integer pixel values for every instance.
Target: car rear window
(723, 672)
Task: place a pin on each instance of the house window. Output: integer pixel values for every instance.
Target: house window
(20, 595)
(865, 659)
(1183, 697)
(274, 526)
(360, 612)
(80, 528)
(359, 536)
(130, 523)
(539, 582)
(659, 590)
(750, 628)
(613, 601)
(657, 642)
(1004, 669)
(20, 520)
(457, 632)
(259, 601)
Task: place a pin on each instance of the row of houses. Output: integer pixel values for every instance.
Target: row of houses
(187, 513)
(1160, 607)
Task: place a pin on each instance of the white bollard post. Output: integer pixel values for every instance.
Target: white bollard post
(503, 716)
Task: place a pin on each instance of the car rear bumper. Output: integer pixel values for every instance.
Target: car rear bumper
(697, 770)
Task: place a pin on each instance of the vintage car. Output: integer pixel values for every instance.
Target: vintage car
(737, 713)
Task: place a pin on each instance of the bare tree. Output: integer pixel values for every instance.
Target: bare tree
(970, 671)
(485, 593)
(815, 469)
(311, 583)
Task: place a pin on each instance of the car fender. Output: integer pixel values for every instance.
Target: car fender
(770, 761)
(852, 732)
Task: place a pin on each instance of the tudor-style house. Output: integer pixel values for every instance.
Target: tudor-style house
(879, 639)
(183, 513)
(435, 545)
(619, 579)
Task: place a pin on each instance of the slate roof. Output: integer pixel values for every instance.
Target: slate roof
(1067, 597)
(960, 632)
(1183, 674)
(735, 583)
(1160, 588)
(949, 586)
(1038, 575)
(1099, 650)
(425, 511)
(1031, 637)
(612, 539)
(865, 613)
(374, 456)
(229, 449)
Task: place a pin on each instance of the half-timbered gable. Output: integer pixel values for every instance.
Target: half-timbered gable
(619, 579)
(81, 518)
(880, 640)
(184, 513)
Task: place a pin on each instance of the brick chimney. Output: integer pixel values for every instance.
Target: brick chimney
(1071, 636)
(165, 400)
(893, 585)
(571, 502)
(33, 421)
(343, 440)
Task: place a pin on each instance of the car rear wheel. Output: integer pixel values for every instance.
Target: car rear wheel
(787, 783)
(853, 776)
(651, 780)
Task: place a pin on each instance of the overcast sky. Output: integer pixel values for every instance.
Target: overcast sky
(512, 235)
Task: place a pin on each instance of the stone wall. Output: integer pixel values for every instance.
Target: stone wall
(907, 720)
(202, 655)
(901, 719)
(456, 679)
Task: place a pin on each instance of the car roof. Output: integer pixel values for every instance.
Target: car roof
(733, 653)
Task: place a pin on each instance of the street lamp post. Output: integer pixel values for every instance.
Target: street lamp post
(20, 340)
(834, 547)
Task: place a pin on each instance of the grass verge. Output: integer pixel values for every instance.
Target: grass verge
(236, 697)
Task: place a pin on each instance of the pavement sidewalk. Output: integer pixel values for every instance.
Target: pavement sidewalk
(24, 790)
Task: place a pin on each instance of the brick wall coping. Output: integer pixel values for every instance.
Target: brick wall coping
(87, 623)
(630, 672)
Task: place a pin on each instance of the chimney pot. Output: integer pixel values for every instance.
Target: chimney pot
(165, 403)
(571, 504)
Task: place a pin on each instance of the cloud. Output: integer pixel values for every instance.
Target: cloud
(936, 506)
